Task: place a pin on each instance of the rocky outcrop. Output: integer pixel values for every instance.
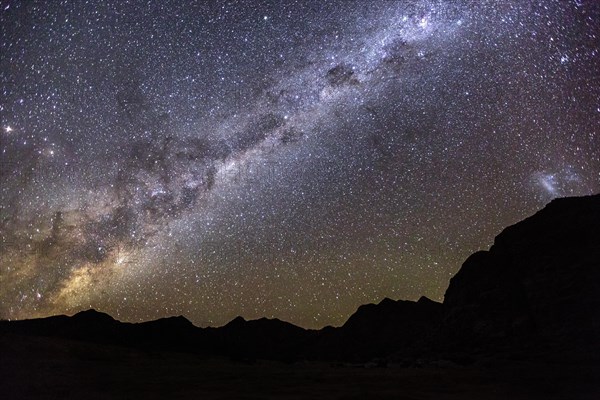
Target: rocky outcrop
(537, 286)
(376, 330)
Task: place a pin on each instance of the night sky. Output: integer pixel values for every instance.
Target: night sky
(293, 159)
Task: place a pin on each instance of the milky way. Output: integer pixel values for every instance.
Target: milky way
(285, 159)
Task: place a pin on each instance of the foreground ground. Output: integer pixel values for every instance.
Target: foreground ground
(45, 368)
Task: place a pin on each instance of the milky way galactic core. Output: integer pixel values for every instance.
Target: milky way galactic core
(289, 159)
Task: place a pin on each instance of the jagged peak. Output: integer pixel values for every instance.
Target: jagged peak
(92, 313)
(236, 321)
(179, 319)
(387, 301)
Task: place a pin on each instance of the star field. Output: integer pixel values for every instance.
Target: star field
(289, 159)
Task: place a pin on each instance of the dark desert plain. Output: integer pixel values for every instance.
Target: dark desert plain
(74, 370)
(339, 199)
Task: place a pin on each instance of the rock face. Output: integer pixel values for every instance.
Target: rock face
(538, 285)
(377, 330)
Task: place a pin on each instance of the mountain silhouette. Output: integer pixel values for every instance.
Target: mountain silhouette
(537, 286)
(377, 330)
(535, 292)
